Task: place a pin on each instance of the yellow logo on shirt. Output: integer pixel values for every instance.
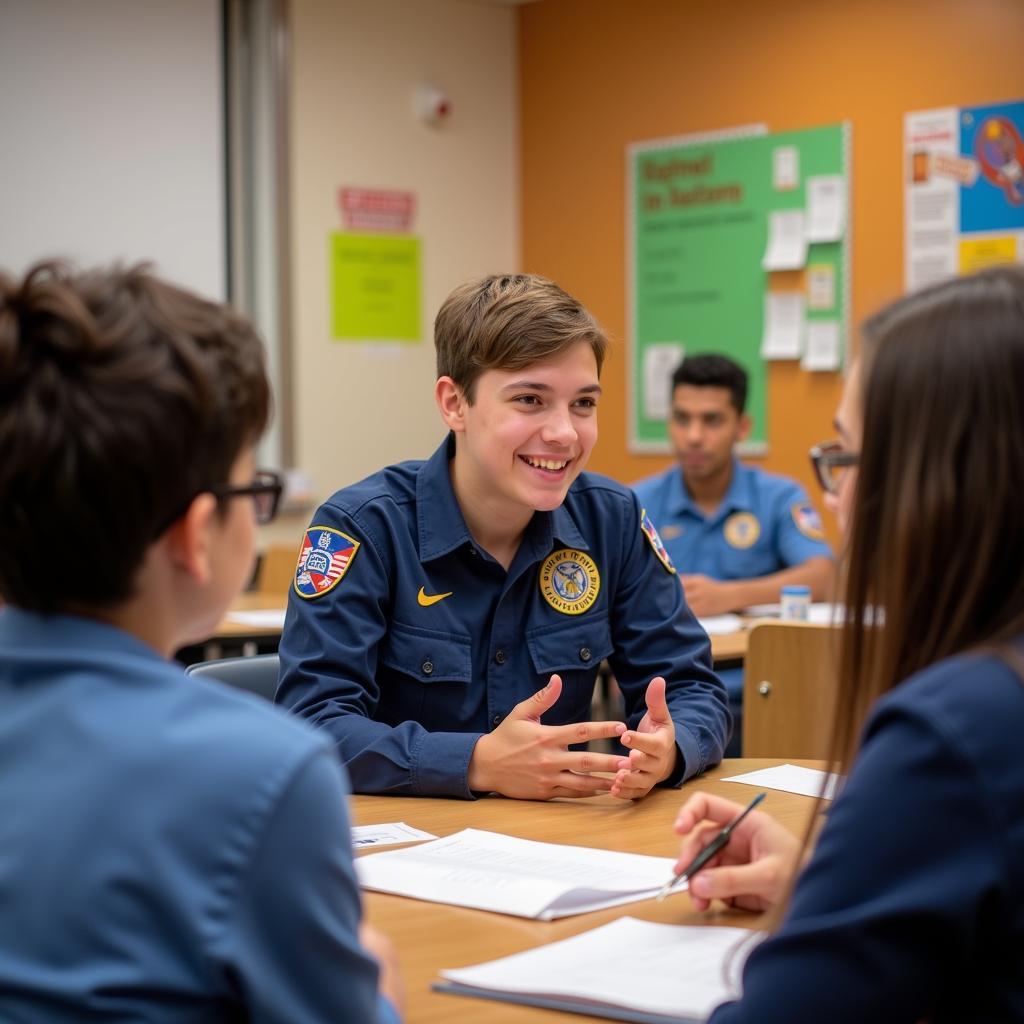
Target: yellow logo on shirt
(742, 530)
(569, 581)
(425, 600)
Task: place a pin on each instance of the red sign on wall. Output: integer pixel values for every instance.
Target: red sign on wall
(376, 209)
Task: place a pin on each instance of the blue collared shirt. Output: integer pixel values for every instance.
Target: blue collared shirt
(406, 689)
(171, 850)
(765, 523)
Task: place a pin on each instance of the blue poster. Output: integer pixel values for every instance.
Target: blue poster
(993, 137)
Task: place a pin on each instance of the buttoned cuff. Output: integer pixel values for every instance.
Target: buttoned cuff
(441, 764)
(691, 761)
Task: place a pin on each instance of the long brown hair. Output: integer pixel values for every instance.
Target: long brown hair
(935, 559)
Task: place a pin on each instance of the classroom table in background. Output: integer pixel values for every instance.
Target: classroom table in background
(255, 616)
(432, 936)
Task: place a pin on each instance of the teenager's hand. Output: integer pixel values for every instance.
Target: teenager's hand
(530, 761)
(754, 868)
(389, 981)
(653, 751)
(706, 596)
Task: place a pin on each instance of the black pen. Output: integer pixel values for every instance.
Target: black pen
(710, 850)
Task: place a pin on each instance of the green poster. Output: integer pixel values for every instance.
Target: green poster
(699, 211)
(375, 287)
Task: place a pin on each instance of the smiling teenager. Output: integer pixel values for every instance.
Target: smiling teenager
(448, 618)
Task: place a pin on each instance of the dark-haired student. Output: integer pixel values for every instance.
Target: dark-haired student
(736, 533)
(448, 618)
(911, 907)
(170, 850)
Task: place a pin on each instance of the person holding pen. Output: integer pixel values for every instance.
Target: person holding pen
(911, 905)
(448, 618)
(172, 850)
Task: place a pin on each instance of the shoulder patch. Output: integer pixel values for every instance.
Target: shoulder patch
(742, 530)
(324, 559)
(647, 528)
(807, 520)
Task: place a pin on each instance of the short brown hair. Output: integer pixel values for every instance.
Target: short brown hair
(506, 322)
(121, 399)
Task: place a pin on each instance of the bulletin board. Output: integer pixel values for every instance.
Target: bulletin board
(698, 221)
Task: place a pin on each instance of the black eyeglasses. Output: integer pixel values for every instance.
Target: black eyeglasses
(830, 462)
(265, 490)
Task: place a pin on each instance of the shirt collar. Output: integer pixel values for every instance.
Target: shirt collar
(22, 630)
(442, 527)
(737, 498)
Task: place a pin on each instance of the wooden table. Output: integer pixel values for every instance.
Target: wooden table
(432, 936)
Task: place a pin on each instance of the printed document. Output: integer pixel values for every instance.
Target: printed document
(491, 871)
(676, 972)
(790, 778)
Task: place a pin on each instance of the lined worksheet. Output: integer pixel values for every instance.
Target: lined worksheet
(491, 871)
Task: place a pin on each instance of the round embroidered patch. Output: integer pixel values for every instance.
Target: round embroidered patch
(569, 581)
(742, 529)
(324, 559)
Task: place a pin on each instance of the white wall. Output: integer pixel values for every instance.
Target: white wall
(355, 66)
(111, 135)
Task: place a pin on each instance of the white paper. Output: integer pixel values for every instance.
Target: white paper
(720, 625)
(787, 246)
(790, 778)
(490, 871)
(821, 351)
(821, 286)
(785, 168)
(364, 836)
(826, 208)
(675, 970)
(783, 336)
(931, 201)
(264, 618)
(660, 361)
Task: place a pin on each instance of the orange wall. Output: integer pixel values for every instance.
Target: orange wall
(596, 75)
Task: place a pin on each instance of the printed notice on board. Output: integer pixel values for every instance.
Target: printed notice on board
(787, 243)
(822, 351)
(826, 208)
(660, 360)
(783, 325)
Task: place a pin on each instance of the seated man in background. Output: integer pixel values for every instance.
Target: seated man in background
(735, 533)
(172, 849)
(441, 609)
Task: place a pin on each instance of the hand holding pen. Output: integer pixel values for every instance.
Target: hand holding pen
(750, 870)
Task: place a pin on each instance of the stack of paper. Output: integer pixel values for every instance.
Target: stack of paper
(490, 871)
(675, 973)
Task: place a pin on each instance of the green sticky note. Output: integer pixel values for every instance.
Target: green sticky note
(375, 287)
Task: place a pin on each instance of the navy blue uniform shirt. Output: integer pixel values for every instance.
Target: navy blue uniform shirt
(171, 851)
(406, 642)
(912, 907)
(764, 524)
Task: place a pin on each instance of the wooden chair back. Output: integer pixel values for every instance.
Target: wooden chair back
(789, 690)
(277, 569)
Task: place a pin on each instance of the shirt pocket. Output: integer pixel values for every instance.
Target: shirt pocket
(575, 651)
(417, 660)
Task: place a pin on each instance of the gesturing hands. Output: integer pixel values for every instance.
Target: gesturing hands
(752, 871)
(653, 751)
(525, 759)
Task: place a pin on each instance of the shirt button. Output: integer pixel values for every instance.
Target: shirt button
(496, 720)
(584, 654)
(428, 667)
(500, 657)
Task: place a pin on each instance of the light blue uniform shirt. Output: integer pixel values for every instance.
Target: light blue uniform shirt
(764, 524)
(171, 851)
